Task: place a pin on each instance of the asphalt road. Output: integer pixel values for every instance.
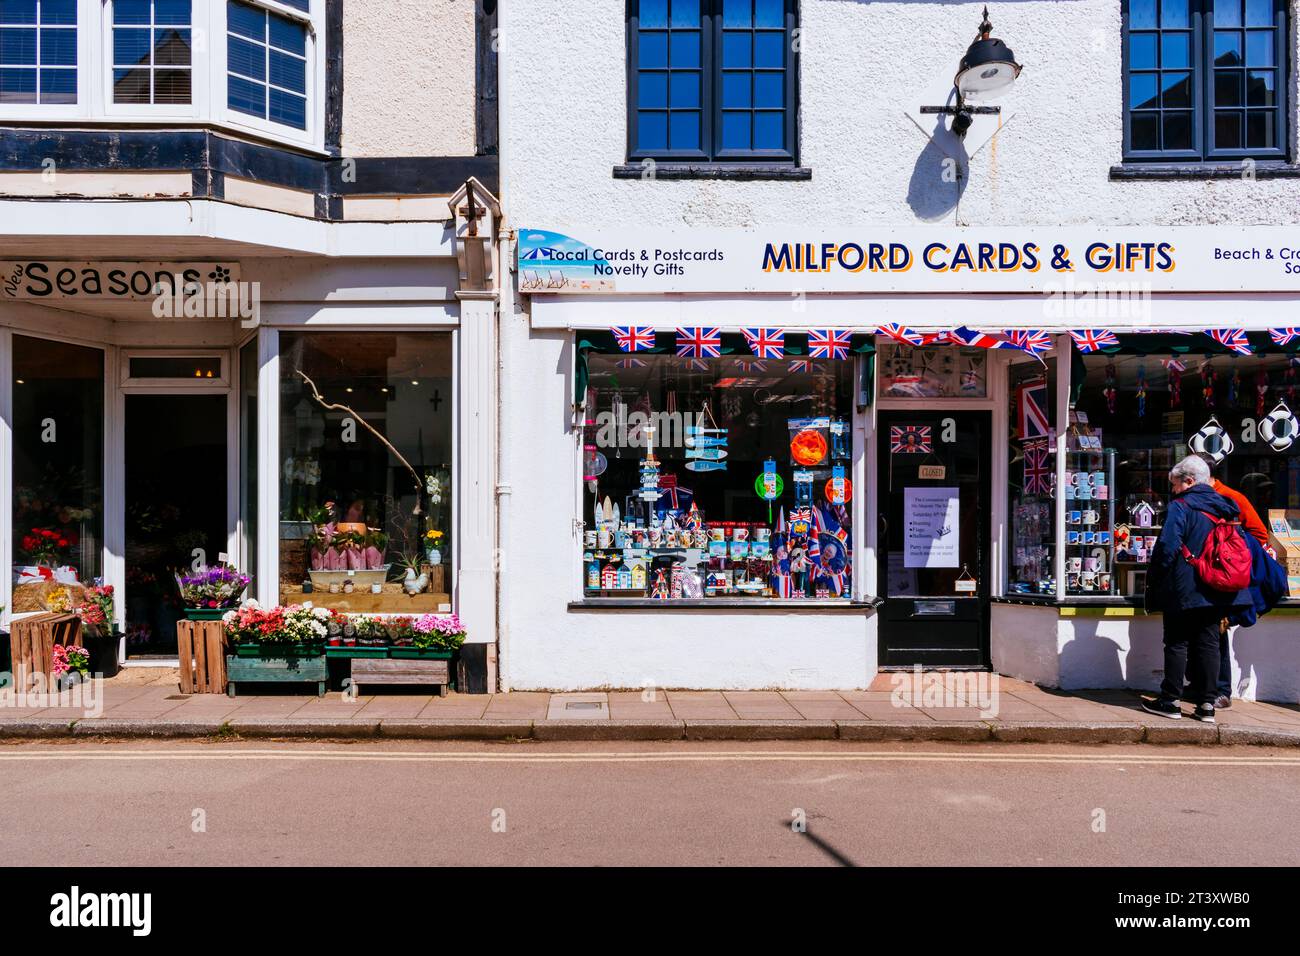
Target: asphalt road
(414, 803)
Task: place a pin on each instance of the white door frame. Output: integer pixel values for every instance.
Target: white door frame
(115, 508)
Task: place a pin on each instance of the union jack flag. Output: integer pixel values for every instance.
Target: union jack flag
(1091, 340)
(1284, 336)
(970, 338)
(909, 440)
(695, 365)
(1234, 339)
(804, 365)
(630, 363)
(1038, 471)
(634, 338)
(766, 343)
(750, 365)
(828, 343)
(1033, 341)
(901, 334)
(699, 343)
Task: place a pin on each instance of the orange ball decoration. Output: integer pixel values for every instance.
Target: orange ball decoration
(830, 488)
(808, 447)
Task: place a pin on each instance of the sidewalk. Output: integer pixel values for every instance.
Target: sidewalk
(149, 704)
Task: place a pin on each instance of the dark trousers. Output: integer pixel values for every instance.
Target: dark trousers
(1225, 666)
(1192, 653)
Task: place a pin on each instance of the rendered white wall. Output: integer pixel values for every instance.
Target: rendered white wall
(408, 78)
(551, 647)
(861, 62)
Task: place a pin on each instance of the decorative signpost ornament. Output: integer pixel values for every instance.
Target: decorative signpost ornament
(1279, 427)
(1212, 440)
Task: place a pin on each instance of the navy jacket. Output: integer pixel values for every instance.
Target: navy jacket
(1268, 585)
(1172, 584)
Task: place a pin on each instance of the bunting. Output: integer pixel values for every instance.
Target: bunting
(1092, 340)
(828, 343)
(634, 338)
(699, 343)
(1234, 339)
(766, 343)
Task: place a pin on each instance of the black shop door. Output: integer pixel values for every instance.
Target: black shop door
(934, 494)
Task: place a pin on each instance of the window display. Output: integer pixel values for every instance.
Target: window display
(932, 371)
(707, 478)
(365, 471)
(1157, 399)
(58, 472)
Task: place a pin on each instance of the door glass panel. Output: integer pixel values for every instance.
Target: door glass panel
(248, 459)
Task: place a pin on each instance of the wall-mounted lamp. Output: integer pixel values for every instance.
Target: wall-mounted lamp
(986, 71)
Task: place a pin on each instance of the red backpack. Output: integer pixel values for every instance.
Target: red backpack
(1225, 561)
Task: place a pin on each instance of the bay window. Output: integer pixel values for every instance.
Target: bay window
(253, 65)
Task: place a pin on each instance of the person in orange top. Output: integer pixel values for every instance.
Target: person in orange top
(1253, 526)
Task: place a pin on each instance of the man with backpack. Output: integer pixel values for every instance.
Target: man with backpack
(1200, 572)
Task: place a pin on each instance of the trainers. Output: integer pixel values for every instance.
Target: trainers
(1204, 713)
(1222, 703)
(1165, 708)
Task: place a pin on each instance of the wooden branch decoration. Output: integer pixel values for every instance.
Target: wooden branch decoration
(334, 406)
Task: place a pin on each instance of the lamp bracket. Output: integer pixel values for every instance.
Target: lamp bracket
(954, 110)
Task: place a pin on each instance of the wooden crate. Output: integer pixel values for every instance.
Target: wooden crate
(201, 648)
(406, 671)
(31, 644)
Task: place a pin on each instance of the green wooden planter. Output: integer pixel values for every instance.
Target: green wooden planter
(356, 651)
(290, 651)
(206, 613)
(416, 653)
(278, 670)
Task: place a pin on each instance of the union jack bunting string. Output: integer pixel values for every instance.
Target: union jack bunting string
(766, 343)
(973, 339)
(750, 365)
(1234, 339)
(1091, 340)
(902, 335)
(828, 343)
(634, 338)
(699, 343)
(630, 363)
(1033, 341)
(1283, 336)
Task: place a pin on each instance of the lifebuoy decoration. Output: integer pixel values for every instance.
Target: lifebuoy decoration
(1279, 427)
(808, 447)
(1212, 440)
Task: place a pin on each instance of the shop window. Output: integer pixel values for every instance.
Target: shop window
(366, 471)
(58, 472)
(38, 51)
(712, 79)
(932, 371)
(151, 51)
(1031, 478)
(717, 478)
(1140, 411)
(1205, 79)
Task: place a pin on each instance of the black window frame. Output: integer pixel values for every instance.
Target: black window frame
(1202, 69)
(711, 151)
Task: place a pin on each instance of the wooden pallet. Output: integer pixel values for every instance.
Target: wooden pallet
(376, 671)
(31, 644)
(201, 647)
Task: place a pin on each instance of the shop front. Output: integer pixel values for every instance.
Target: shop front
(309, 440)
(795, 464)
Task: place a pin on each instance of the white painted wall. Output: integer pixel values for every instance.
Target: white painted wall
(408, 78)
(1084, 652)
(565, 126)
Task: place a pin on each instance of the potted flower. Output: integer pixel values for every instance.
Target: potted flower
(210, 593)
(435, 636)
(44, 546)
(96, 613)
(298, 630)
(69, 664)
(433, 545)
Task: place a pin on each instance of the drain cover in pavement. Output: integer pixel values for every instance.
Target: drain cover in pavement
(583, 705)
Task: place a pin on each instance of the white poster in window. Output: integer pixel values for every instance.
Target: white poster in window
(931, 518)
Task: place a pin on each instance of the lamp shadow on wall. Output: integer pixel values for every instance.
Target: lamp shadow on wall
(939, 175)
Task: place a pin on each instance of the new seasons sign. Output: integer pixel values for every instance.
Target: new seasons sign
(43, 279)
(911, 259)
